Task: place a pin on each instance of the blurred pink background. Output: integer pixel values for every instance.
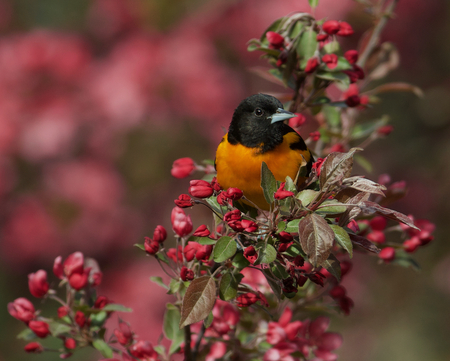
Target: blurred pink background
(98, 98)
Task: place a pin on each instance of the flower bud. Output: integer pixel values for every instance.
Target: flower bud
(63, 311)
(275, 39)
(200, 188)
(22, 309)
(387, 254)
(216, 186)
(246, 299)
(184, 201)
(160, 234)
(96, 279)
(40, 328)
(143, 350)
(182, 167)
(186, 274)
(124, 335)
(285, 237)
(338, 292)
(151, 247)
(411, 244)
(203, 252)
(202, 231)
(353, 225)
(353, 101)
(311, 65)
(73, 264)
(222, 199)
(80, 318)
(79, 280)
(181, 223)
(101, 302)
(250, 254)
(37, 283)
(331, 27)
(321, 37)
(234, 194)
(345, 29)
(233, 215)
(281, 194)
(378, 223)
(249, 226)
(34, 347)
(70, 343)
(385, 130)
(331, 60)
(58, 268)
(351, 56)
(236, 226)
(314, 136)
(297, 121)
(376, 236)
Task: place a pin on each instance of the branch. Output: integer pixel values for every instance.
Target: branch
(375, 37)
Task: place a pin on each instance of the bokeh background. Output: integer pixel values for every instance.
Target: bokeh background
(98, 98)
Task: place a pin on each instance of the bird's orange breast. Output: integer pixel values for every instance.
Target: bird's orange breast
(240, 166)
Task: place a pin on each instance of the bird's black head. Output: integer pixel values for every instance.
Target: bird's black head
(257, 122)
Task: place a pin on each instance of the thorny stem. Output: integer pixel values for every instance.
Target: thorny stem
(375, 37)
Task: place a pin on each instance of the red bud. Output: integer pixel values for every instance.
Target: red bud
(275, 39)
(387, 254)
(37, 283)
(40, 328)
(351, 56)
(311, 65)
(160, 234)
(331, 27)
(331, 60)
(182, 167)
(34, 347)
(345, 29)
(184, 201)
(200, 188)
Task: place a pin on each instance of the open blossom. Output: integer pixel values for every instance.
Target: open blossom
(37, 282)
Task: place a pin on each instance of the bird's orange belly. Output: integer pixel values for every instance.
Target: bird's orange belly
(240, 167)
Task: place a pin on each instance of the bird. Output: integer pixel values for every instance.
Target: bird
(257, 134)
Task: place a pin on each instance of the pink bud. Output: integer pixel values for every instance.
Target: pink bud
(249, 226)
(101, 302)
(80, 318)
(190, 250)
(63, 311)
(58, 268)
(22, 309)
(311, 65)
(160, 234)
(387, 254)
(331, 27)
(250, 254)
(143, 350)
(322, 37)
(203, 252)
(79, 280)
(70, 343)
(233, 215)
(246, 299)
(186, 274)
(151, 247)
(329, 341)
(200, 188)
(351, 56)
(376, 236)
(34, 347)
(385, 130)
(378, 223)
(345, 29)
(297, 121)
(124, 335)
(216, 186)
(314, 136)
(202, 231)
(233, 194)
(181, 223)
(318, 326)
(184, 201)
(182, 167)
(40, 328)
(411, 244)
(331, 60)
(73, 264)
(37, 283)
(275, 39)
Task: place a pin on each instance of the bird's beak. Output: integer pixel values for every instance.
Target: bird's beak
(281, 115)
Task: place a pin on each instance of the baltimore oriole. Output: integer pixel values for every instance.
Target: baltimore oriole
(258, 134)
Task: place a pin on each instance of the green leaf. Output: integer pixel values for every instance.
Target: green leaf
(268, 183)
(307, 196)
(363, 162)
(296, 30)
(281, 226)
(316, 238)
(98, 319)
(57, 328)
(292, 226)
(332, 47)
(171, 330)
(228, 286)
(224, 249)
(159, 281)
(160, 349)
(278, 75)
(253, 44)
(342, 64)
(337, 77)
(332, 115)
(162, 257)
(331, 206)
(295, 250)
(198, 300)
(313, 3)
(103, 347)
(27, 335)
(239, 261)
(363, 130)
(174, 286)
(267, 253)
(140, 246)
(307, 46)
(272, 27)
(333, 266)
(290, 185)
(116, 307)
(212, 201)
(342, 238)
(209, 320)
(279, 271)
(405, 260)
(202, 240)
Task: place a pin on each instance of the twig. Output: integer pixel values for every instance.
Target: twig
(373, 41)
(199, 340)
(187, 344)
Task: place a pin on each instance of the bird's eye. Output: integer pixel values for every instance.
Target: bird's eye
(259, 112)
